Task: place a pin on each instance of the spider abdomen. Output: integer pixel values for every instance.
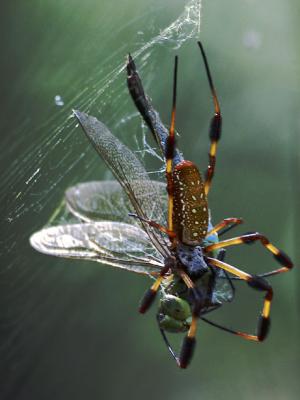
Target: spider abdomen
(190, 212)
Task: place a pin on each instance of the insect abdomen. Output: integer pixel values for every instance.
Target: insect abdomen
(190, 212)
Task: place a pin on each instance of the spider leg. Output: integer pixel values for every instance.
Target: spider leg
(170, 149)
(150, 294)
(221, 257)
(189, 341)
(279, 255)
(215, 125)
(255, 282)
(224, 328)
(170, 152)
(224, 226)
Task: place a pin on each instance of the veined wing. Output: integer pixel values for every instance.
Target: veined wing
(105, 200)
(118, 244)
(131, 174)
(224, 289)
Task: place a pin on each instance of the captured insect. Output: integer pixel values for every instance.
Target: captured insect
(136, 224)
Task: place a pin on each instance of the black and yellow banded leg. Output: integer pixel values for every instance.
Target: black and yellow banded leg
(227, 223)
(215, 126)
(150, 294)
(279, 255)
(189, 341)
(170, 152)
(257, 283)
(187, 347)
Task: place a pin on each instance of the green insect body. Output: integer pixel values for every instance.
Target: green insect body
(175, 314)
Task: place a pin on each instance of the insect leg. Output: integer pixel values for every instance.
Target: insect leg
(155, 225)
(174, 355)
(255, 282)
(215, 125)
(279, 255)
(227, 223)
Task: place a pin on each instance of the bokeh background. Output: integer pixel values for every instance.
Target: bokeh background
(70, 329)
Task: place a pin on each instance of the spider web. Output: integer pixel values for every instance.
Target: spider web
(56, 153)
(26, 172)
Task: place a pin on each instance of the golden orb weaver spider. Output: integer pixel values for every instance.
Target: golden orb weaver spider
(188, 219)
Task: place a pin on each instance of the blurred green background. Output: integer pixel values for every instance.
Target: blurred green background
(70, 330)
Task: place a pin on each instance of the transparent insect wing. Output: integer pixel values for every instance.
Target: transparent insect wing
(223, 291)
(113, 243)
(105, 200)
(144, 196)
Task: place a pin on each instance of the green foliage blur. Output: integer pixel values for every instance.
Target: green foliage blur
(70, 330)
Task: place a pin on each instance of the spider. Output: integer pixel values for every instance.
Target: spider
(194, 245)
